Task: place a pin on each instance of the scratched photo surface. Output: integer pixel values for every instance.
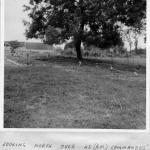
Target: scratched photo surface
(75, 64)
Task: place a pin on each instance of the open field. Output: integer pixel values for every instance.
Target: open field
(55, 92)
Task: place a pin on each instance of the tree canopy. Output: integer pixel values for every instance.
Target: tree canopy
(91, 21)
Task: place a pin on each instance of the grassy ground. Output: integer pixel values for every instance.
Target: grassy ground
(58, 93)
(134, 60)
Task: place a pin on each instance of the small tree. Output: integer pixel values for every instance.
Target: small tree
(138, 30)
(14, 45)
(129, 38)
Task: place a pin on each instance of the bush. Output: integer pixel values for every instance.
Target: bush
(69, 45)
(140, 51)
(120, 50)
(69, 52)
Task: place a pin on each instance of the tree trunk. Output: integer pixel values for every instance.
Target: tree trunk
(78, 37)
(78, 48)
(136, 45)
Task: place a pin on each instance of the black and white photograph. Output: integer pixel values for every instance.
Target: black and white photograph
(75, 64)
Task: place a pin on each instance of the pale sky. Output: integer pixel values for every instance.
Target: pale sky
(14, 28)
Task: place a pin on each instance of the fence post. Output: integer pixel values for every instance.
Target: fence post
(27, 58)
(111, 51)
(127, 58)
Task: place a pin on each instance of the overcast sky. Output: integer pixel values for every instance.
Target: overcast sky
(14, 28)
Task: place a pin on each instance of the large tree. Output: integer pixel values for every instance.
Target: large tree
(90, 21)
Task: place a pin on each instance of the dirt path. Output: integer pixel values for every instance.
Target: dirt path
(12, 63)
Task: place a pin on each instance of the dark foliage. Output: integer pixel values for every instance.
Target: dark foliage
(90, 21)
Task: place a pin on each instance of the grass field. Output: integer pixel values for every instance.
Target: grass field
(55, 92)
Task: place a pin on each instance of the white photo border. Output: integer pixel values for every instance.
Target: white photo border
(73, 130)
